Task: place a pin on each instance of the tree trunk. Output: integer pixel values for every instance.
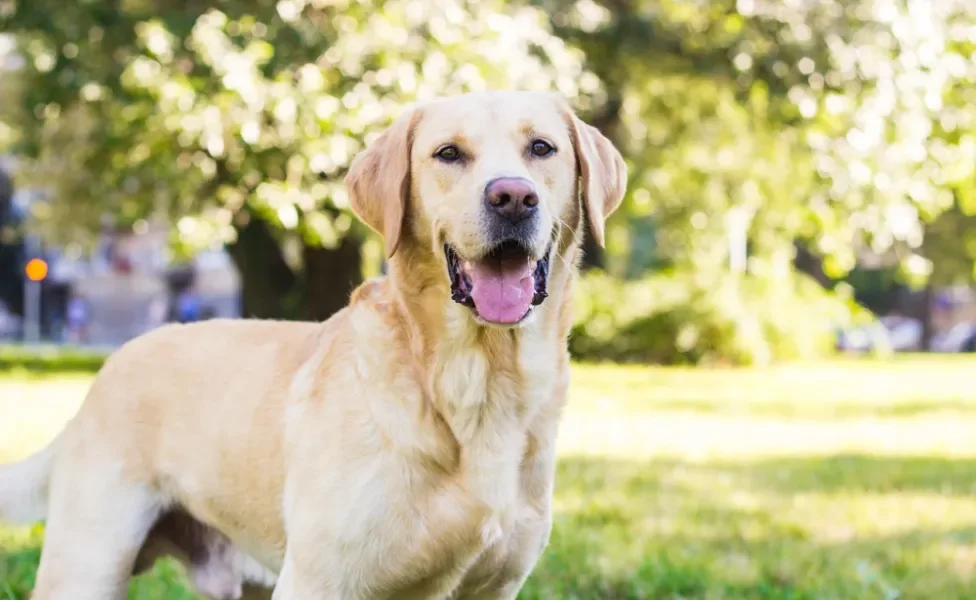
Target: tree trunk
(925, 316)
(269, 287)
(805, 261)
(331, 274)
(266, 278)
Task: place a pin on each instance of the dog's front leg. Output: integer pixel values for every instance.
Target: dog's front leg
(297, 582)
(526, 545)
(520, 552)
(315, 567)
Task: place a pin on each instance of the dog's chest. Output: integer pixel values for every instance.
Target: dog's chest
(479, 513)
(481, 397)
(486, 538)
(488, 408)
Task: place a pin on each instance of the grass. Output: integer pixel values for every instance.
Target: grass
(844, 480)
(21, 361)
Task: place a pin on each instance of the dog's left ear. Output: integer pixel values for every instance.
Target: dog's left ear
(378, 181)
(602, 171)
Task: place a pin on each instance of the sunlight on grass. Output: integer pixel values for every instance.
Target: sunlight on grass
(34, 411)
(852, 480)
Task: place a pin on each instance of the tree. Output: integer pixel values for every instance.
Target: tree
(822, 129)
(950, 246)
(835, 123)
(236, 119)
(11, 250)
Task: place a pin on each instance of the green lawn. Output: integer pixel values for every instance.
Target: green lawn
(846, 480)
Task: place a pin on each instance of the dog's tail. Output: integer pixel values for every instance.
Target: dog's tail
(24, 485)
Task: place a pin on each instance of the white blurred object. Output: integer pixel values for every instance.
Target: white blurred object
(9, 322)
(900, 334)
(961, 337)
(905, 334)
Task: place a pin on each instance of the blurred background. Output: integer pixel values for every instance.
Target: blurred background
(773, 394)
(801, 172)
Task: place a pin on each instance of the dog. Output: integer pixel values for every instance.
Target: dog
(405, 447)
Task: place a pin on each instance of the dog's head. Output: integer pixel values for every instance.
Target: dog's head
(485, 185)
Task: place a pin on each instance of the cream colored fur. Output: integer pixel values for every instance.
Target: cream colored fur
(401, 449)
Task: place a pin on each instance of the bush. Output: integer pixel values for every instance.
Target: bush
(682, 318)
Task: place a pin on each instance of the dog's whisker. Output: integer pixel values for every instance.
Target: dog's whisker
(565, 261)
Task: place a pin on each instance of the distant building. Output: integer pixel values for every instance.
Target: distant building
(131, 287)
(128, 283)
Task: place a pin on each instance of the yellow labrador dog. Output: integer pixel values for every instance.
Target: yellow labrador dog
(404, 448)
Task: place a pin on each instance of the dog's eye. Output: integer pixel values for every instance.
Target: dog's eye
(449, 153)
(542, 148)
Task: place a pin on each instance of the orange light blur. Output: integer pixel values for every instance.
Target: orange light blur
(36, 269)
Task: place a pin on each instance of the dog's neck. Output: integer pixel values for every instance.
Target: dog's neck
(487, 383)
(442, 332)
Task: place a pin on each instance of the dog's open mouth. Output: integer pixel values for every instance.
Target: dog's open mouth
(501, 287)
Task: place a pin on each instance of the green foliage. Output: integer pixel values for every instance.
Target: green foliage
(677, 318)
(842, 124)
(950, 242)
(195, 112)
(839, 125)
(235, 121)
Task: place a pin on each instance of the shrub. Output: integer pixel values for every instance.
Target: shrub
(684, 318)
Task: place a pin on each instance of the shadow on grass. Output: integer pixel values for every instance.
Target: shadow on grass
(670, 530)
(859, 473)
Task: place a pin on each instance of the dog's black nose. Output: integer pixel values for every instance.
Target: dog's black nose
(512, 198)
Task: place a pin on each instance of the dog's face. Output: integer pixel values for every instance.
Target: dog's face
(486, 182)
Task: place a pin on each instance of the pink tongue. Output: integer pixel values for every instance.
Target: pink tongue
(502, 290)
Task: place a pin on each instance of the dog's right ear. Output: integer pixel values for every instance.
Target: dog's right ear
(378, 181)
